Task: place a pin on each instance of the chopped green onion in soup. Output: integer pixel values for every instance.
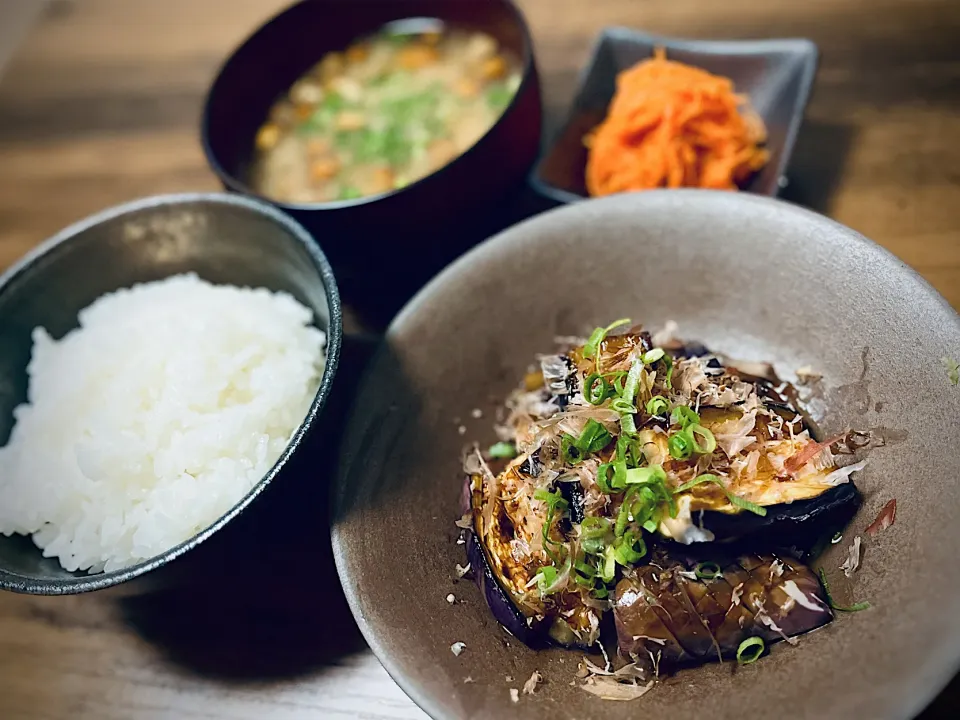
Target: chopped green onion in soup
(389, 110)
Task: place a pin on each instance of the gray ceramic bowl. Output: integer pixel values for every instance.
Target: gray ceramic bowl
(223, 239)
(753, 277)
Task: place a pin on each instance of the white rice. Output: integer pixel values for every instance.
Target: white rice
(155, 417)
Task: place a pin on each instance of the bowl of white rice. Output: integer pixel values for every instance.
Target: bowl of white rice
(160, 364)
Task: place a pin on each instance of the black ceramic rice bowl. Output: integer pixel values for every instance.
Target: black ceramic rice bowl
(221, 238)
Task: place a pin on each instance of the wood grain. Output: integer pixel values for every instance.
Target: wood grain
(101, 105)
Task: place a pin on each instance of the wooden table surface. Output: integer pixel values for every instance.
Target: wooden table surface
(101, 105)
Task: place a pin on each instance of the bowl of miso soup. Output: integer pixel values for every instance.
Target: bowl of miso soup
(392, 129)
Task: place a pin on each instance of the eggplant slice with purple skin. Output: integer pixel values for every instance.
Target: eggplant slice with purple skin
(500, 604)
(797, 510)
(502, 551)
(685, 616)
(798, 525)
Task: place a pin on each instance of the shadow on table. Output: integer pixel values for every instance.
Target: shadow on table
(818, 163)
(262, 600)
(376, 295)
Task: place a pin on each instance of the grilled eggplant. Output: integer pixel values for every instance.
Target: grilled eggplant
(633, 462)
(506, 549)
(764, 450)
(686, 616)
(799, 503)
(799, 524)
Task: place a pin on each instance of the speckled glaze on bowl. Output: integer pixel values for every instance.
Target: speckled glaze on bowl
(750, 276)
(224, 239)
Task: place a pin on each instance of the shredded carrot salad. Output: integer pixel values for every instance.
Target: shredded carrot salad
(672, 125)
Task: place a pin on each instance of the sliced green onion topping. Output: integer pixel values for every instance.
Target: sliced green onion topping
(623, 407)
(624, 515)
(604, 481)
(546, 576)
(702, 439)
(697, 481)
(680, 445)
(646, 491)
(624, 403)
(618, 382)
(684, 416)
(554, 500)
(594, 534)
(669, 378)
(594, 526)
(584, 569)
(856, 607)
(734, 500)
(595, 389)
(648, 498)
(593, 438)
(550, 580)
(609, 567)
(646, 475)
(647, 508)
(597, 336)
(657, 405)
(632, 382)
(651, 356)
(707, 570)
(628, 450)
(502, 451)
(630, 548)
(584, 575)
(585, 582)
(750, 650)
(745, 504)
(594, 546)
(671, 502)
(616, 483)
(694, 438)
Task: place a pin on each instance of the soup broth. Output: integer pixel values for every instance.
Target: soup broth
(389, 110)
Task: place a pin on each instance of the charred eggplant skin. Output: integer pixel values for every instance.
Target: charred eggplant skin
(666, 609)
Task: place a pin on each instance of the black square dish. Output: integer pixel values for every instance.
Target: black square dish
(775, 74)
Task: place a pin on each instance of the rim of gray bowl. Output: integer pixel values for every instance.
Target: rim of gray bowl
(99, 581)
